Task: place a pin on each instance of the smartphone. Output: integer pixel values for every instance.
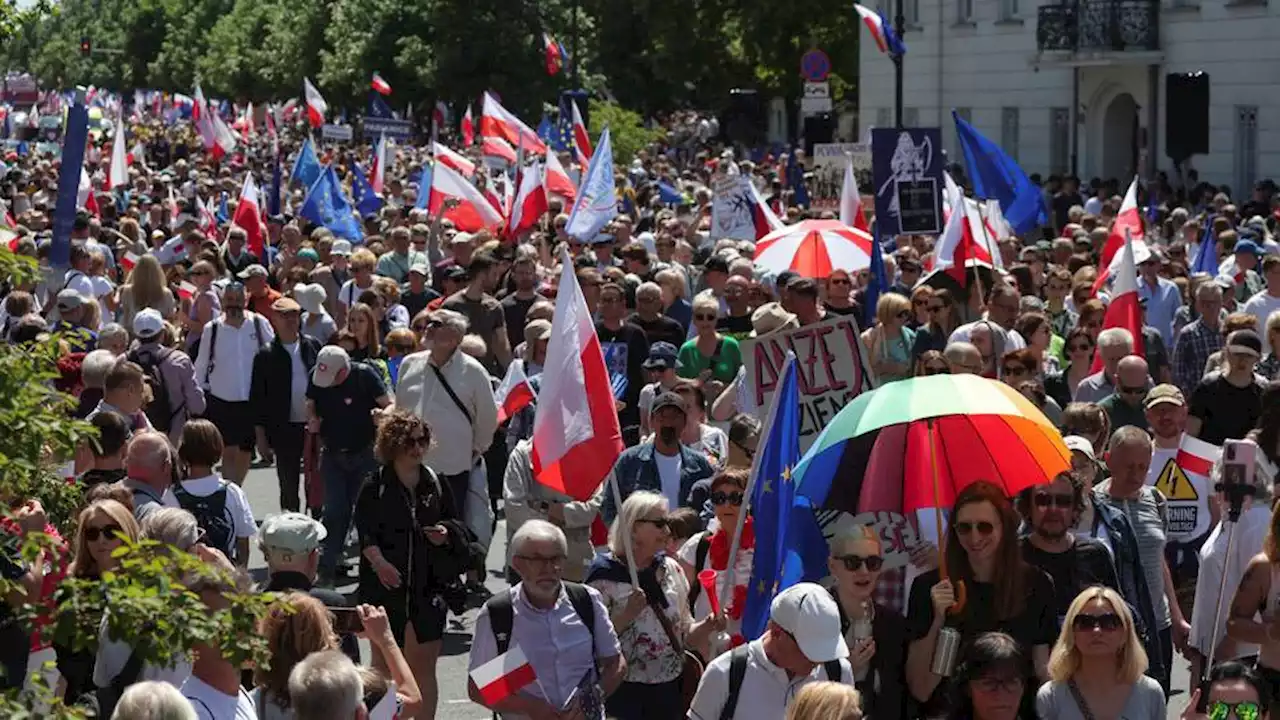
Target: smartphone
(346, 620)
(1238, 462)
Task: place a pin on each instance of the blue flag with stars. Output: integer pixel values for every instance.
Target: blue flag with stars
(367, 201)
(1207, 258)
(306, 168)
(326, 205)
(776, 565)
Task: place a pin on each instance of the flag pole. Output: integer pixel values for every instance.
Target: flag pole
(727, 579)
(626, 534)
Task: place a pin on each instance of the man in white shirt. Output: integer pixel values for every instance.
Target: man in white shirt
(1267, 301)
(224, 367)
(802, 644)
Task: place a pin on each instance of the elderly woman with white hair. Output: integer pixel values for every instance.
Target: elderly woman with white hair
(172, 526)
(652, 620)
(93, 377)
(153, 700)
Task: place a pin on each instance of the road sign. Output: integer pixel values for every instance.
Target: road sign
(814, 90)
(815, 66)
(340, 133)
(394, 129)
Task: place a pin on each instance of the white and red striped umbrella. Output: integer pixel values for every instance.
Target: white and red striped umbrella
(814, 248)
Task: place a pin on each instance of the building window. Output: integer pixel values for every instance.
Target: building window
(1008, 9)
(1246, 150)
(884, 117)
(964, 11)
(1059, 140)
(910, 117)
(911, 13)
(1009, 131)
(953, 138)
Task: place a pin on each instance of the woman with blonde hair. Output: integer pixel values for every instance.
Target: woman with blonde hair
(826, 701)
(295, 626)
(890, 342)
(204, 304)
(98, 534)
(1096, 666)
(145, 288)
(363, 324)
(709, 356)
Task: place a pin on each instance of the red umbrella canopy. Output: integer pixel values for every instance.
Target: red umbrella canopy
(814, 248)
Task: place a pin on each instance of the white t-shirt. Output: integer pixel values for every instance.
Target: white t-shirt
(350, 292)
(298, 376)
(1188, 495)
(237, 510)
(103, 287)
(766, 691)
(1261, 306)
(114, 655)
(78, 281)
(212, 704)
(669, 471)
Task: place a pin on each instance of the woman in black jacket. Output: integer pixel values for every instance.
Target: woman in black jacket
(944, 318)
(413, 546)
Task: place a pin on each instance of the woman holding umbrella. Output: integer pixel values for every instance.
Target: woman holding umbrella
(998, 591)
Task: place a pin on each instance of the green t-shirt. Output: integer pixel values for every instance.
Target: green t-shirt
(725, 367)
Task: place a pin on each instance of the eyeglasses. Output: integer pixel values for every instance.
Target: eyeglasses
(555, 561)
(720, 498)
(937, 308)
(93, 534)
(1016, 370)
(998, 684)
(1079, 347)
(704, 316)
(853, 563)
(937, 370)
(660, 523)
(1243, 710)
(983, 527)
(839, 281)
(1106, 622)
(1058, 500)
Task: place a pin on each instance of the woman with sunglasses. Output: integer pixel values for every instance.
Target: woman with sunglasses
(710, 550)
(931, 362)
(1097, 665)
(709, 356)
(921, 301)
(876, 635)
(1061, 385)
(943, 320)
(891, 340)
(1002, 592)
(838, 298)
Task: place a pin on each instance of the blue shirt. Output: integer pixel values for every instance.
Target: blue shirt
(1162, 303)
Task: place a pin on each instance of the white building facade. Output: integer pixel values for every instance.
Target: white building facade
(1013, 68)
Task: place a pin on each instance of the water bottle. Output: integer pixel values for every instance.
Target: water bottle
(859, 632)
(945, 652)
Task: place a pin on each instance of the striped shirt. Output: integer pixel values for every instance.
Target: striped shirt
(1150, 524)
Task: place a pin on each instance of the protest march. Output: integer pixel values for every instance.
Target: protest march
(297, 403)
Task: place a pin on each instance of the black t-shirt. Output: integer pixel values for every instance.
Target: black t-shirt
(833, 310)
(1084, 564)
(660, 329)
(1225, 410)
(515, 310)
(625, 351)
(415, 303)
(98, 477)
(737, 327)
(344, 410)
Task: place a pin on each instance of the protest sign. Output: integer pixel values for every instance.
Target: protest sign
(828, 174)
(907, 169)
(731, 215)
(832, 365)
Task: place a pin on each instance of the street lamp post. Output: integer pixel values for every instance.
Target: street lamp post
(899, 23)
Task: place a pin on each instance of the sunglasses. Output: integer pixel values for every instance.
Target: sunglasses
(1106, 622)
(937, 308)
(660, 523)
(983, 527)
(839, 281)
(937, 370)
(1139, 390)
(720, 498)
(93, 534)
(1058, 500)
(1243, 710)
(1079, 347)
(853, 563)
(704, 316)
(1016, 370)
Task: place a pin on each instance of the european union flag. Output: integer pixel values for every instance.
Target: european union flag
(367, 201)
(307, 168)
(326, 205)
(997, 176)
(795, 178)
(669, 194)
(879, 284)
(597, 201)
(424, 188)
(223, 213)
(776, 566)
(1207, 258)
(547, 131)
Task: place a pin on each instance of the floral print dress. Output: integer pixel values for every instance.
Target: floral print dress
(651, 659)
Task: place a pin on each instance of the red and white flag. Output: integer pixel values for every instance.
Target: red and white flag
(316, 106)
(498, 149)
(468, 128)
(530, 202)
(556, 180)
(496, 120)
(380, 86)
(958, 247)
(503, 676)
(85, 195)
(119, 171)
(248, 216)
(1129, 220)
(379, 170)
(473, 212)
(581, 140)
(445, 156)
(208, 221)
(137, 155)
(576, 437)
(1197, 456)
(851, 212)
(1125, 310)
(514, 393)
(224, 141)
(129, 261)
(186, 290)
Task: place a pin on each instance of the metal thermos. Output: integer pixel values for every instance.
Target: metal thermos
(860, 631)
(946, 652)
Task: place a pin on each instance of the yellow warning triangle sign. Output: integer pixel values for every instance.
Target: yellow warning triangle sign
(1174, 483)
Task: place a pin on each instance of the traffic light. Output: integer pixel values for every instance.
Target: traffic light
(86, 47)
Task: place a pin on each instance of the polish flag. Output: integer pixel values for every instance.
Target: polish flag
(208, 221)
(1196, 456)
(248, 216)
(851, 212)
(119, 171)
(1128, 220)
(498, 121)
(556, 181)
(129, 261)
(468, 128)
(474, 212)
(445, 156)
(496, 147)
(1125, 310)
(576, 437)
(530, 202)
(875, 24)
(382, 87)
(85, 195)
(224, 141)
(763, 217)
(172, 205)
(581, 140)
(503, 676)
(137, 155)
(316, 106)
(514, 393)
(379, 170)
(186, 290)
(952, 251)
(490, 194)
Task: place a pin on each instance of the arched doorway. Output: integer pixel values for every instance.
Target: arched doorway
(1120, 138)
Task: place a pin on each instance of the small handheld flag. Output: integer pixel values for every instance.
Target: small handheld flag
(380, 86)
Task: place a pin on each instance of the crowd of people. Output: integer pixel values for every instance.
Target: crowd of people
(365, 373)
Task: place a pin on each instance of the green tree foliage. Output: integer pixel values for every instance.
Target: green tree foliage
(627, 132)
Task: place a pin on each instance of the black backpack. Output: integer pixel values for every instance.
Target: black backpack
(211, 515)
(502, 614)
(158, 411)
(738, 658)
(699, 559)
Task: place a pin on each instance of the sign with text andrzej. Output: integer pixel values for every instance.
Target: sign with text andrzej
(906, 169)
(831, 364)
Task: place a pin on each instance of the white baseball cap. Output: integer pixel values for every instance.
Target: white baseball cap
(331, 361)
(807, 611)
(340, 247)
(147, 323)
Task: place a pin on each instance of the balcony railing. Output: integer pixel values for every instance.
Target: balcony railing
(1099, 25)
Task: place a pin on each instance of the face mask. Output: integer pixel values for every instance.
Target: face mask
(668, 435)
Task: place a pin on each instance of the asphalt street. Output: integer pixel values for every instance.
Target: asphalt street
(263, 492)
